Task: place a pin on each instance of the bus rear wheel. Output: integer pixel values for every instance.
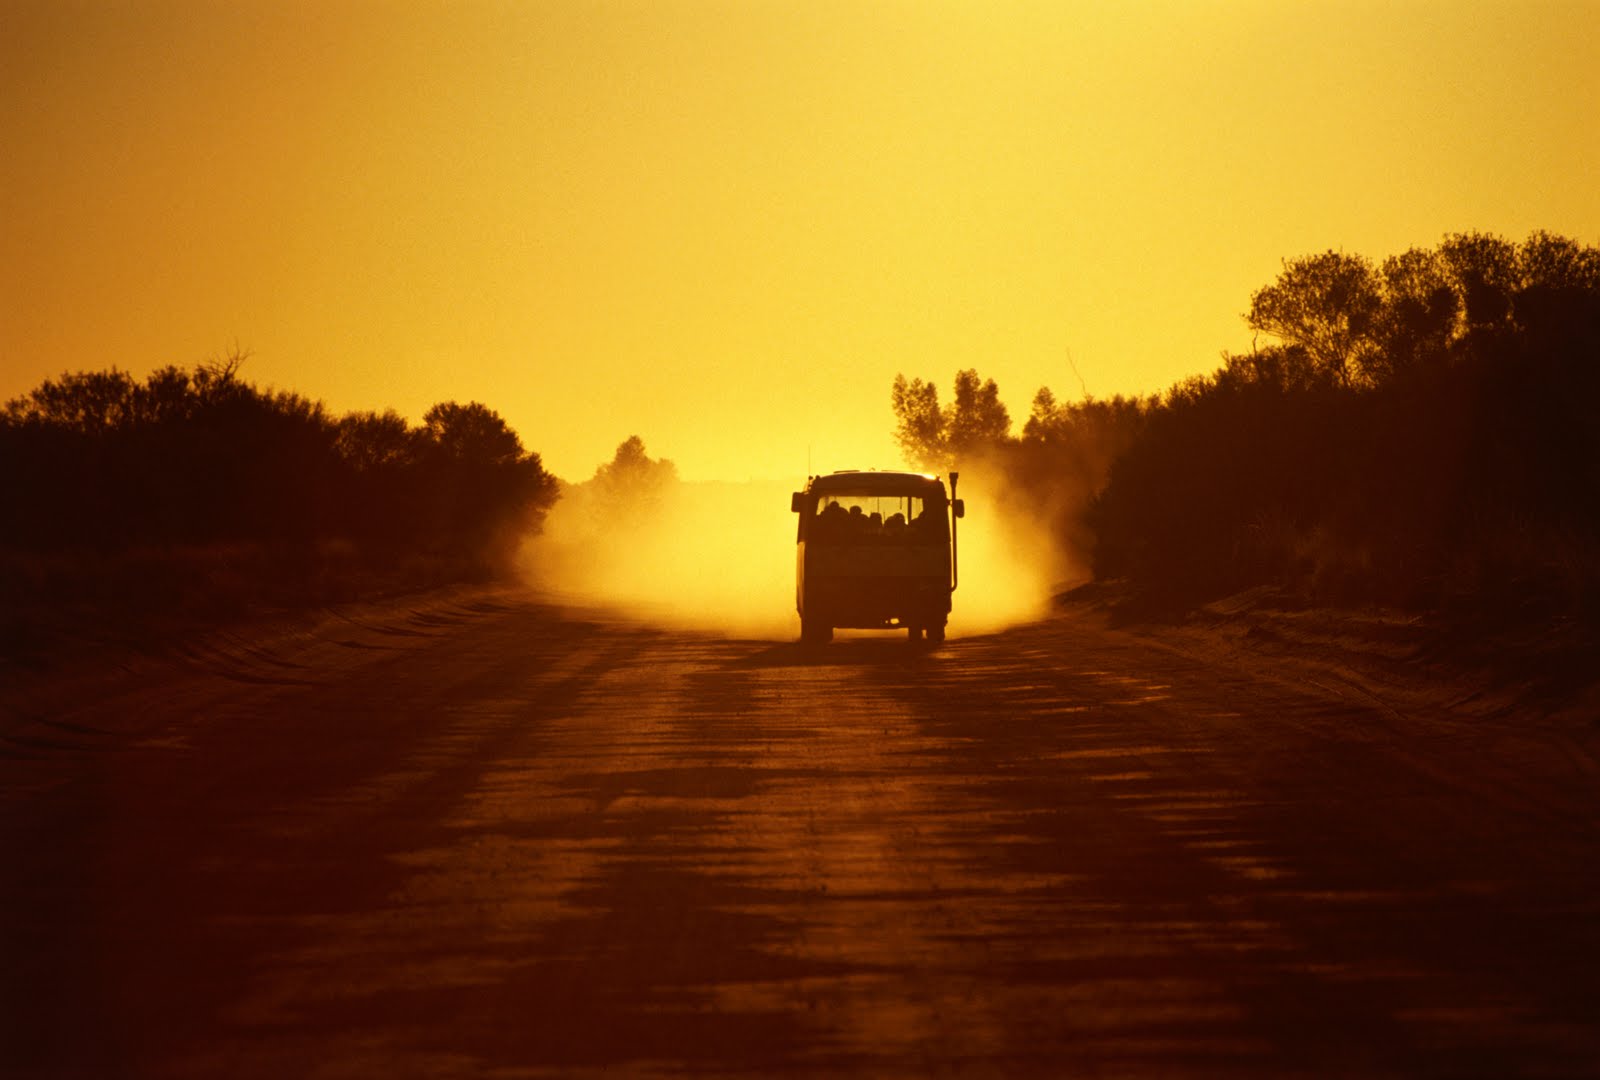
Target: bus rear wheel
(913, 633)
(813, 632)
(936, 634)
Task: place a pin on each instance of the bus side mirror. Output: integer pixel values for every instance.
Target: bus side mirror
(797, 501)
(960, 506)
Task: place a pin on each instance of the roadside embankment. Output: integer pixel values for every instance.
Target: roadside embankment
(1496, 666)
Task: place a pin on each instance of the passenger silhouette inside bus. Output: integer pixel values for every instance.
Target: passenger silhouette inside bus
(877, 519)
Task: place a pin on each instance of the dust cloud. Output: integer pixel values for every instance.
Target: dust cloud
(720, 557)
(1011, 561)
(705, 556)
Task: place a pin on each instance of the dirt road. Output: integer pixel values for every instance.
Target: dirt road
(486, 835)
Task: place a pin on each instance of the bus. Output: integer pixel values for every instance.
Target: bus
(876, 551)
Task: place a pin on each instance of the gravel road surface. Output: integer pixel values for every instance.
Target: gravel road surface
(484, 834)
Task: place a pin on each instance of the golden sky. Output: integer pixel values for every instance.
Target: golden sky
(726, 226)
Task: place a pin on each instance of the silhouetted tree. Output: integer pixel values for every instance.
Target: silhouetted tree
(1046, 419)
(1486, 275)
(974, 422)
(167, 397)
(919, 425)
(483, 491)
(1419, 314)
(977, 418)
(369, 441)
(85, 402)
(632, 483)
(470, 433)
(1282, 368)
(1327, 304)
(1555, 262)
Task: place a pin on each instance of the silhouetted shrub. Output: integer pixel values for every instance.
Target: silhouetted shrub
(106, 465)
(1432, 445)
(1422, 433)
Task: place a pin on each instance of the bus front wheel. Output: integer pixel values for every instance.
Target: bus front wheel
(936, 634)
